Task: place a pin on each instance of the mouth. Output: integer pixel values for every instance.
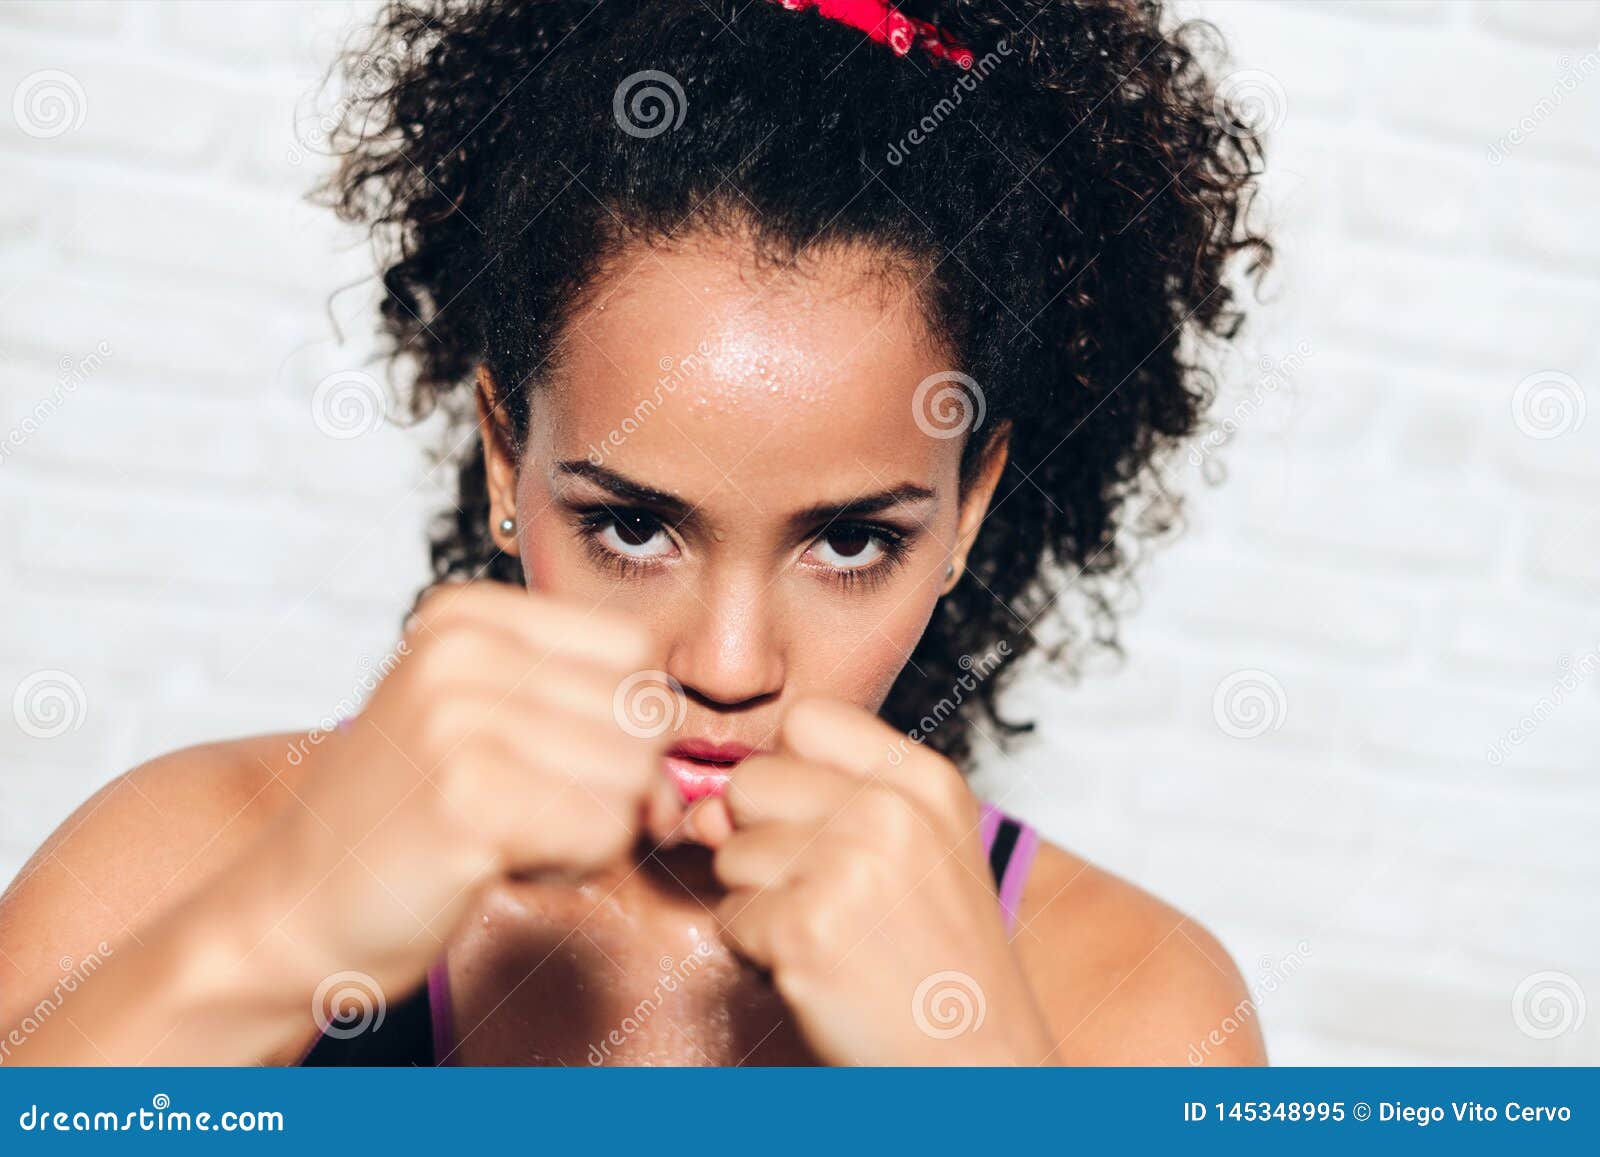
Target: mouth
(700, 768)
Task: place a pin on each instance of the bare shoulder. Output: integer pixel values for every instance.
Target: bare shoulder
(1126, 979)
(134, 848)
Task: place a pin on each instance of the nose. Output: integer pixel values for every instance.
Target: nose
(726, 651)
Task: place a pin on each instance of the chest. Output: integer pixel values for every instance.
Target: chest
(615, 973)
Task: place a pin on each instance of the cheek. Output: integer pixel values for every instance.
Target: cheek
(553, 561)
(857, 648)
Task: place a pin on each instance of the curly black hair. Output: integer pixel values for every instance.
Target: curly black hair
(1075, 201)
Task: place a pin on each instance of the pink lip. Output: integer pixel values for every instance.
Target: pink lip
(701, 768)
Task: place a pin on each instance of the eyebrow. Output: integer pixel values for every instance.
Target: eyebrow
(681, 512)
(624, 487)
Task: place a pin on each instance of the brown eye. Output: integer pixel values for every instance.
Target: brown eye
(634, 529)
(635, 534)
(849, 547)
(850, 542)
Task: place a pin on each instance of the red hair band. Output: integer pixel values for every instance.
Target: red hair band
(888, 25)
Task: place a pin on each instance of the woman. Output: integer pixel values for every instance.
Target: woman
(814, 352)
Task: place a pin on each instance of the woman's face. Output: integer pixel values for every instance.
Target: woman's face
(733, 454)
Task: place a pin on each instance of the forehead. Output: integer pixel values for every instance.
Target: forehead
(698, 364)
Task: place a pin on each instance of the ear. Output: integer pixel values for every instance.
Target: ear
(975, 498)
(499, 463)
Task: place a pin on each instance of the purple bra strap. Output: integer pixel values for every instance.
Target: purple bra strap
(1013, 873)
(444, 1029)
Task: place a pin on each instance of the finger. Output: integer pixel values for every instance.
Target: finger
(553, 625)
(597, 829)
(496, 797)
(664, 815)
(501, 666)
(589, 691)
(844, 736)
(764, 856)
(596, 756)
(781, 787)
(748, 918)
(707, 822)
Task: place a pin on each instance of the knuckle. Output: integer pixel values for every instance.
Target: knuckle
(946, 788)
(443, 601)
(444, 723)
(870, 873)
(460, 646)
(606, 834)
(459, 784)
(802, 940)
(886, 813)
(725, 861)
(805, 717)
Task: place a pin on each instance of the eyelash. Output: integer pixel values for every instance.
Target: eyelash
(891, 541)
(594, 522)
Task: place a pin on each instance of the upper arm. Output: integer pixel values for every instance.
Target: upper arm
(126, 855)
(1125, 979)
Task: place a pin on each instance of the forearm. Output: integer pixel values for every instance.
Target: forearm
(211, 982)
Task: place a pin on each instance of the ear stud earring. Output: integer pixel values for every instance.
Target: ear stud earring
(507, 525)
(950, 571)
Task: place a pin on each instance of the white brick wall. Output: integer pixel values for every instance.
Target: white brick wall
(1404, 568)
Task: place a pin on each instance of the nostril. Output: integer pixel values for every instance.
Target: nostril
(727, 701)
